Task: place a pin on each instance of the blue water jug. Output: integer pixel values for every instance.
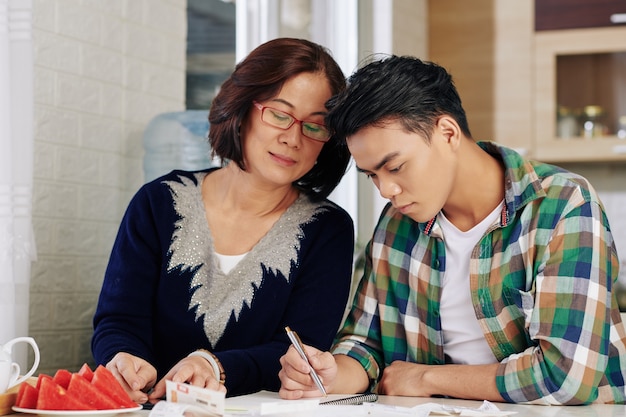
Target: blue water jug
(177, 140)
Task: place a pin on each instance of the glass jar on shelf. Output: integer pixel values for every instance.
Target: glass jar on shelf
(621, 127)
(567, 123)
(593, 122)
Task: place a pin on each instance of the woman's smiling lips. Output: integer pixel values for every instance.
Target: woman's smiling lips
(282, 159)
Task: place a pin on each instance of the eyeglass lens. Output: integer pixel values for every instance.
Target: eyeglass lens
(284, 120)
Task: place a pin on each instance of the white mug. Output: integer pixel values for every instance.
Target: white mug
(9, 370)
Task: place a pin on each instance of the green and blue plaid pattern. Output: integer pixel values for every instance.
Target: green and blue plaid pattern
(541, 284)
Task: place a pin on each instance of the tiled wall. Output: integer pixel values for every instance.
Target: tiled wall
(103, 69)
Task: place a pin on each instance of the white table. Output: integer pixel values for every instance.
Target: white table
(599, 410)
(594, 410)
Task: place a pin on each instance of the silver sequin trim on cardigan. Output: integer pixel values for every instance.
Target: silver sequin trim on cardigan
(216, 296)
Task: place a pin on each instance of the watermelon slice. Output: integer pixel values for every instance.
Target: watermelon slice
(62, 377)
(40, 378)
(20, 394)
(27, 396)
(106, 383)
(81, 388)
(86, 372)
(52, 396)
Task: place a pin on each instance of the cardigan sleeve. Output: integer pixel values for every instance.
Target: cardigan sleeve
(134, 304)
(124, 315)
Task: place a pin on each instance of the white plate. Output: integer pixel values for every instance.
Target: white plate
(75, 413)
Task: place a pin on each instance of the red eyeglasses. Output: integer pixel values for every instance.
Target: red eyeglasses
(283, 120)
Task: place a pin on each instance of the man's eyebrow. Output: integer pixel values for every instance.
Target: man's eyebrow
(382, 162)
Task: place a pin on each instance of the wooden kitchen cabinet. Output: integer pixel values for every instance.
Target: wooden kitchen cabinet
(575, 69)
(575, 14)
(580, 80)
(513, 78)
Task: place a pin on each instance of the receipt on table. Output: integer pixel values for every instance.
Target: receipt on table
(487, 409)
(189, 401)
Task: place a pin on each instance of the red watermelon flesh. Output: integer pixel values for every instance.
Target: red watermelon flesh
(27, 396)
(40, 378)
(86, 392)
(86, 372)
(20, 394)
(62, 377)
(106, 383)
(52, 396)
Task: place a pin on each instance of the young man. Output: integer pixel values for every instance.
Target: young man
(488, 276)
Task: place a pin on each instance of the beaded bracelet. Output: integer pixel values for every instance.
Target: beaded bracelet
(215, 363)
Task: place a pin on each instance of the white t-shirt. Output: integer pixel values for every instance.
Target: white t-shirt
(464, 341)
(228, 262)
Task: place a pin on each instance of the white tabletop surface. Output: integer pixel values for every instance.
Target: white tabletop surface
(594, 410)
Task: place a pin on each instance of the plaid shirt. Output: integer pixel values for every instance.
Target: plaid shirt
(540, 283)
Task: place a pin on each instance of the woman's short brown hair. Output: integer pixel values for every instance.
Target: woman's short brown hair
(260, 76)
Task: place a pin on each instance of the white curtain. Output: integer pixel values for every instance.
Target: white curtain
(17, 249)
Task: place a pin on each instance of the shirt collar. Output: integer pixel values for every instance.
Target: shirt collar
(522, 183)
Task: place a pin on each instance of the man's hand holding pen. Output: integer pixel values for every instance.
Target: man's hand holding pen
(295, 375)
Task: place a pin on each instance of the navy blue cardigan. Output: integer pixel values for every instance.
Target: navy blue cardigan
(163, 295)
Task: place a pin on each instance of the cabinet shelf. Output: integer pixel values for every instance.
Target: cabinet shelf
(606, 148)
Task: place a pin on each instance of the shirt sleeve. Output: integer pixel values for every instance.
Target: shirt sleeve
(569, 324)
(360, 336)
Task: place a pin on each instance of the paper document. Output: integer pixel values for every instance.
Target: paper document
(170, 409)
(185, 400)
(269, 404)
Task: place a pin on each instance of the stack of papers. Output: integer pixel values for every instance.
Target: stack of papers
(186, 401)
(269, 405)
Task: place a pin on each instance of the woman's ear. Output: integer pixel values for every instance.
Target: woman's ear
(449, 129)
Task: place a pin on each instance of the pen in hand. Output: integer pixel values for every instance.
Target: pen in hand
(297, 343)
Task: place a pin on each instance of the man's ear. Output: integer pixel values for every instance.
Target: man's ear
(449, 129)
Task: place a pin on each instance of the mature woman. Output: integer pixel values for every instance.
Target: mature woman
(209, 267)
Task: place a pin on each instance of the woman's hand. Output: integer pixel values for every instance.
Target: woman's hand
(296, 381)
(135, 375)
(194, 370)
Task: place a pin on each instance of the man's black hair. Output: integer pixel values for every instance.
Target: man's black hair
(397, 88)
